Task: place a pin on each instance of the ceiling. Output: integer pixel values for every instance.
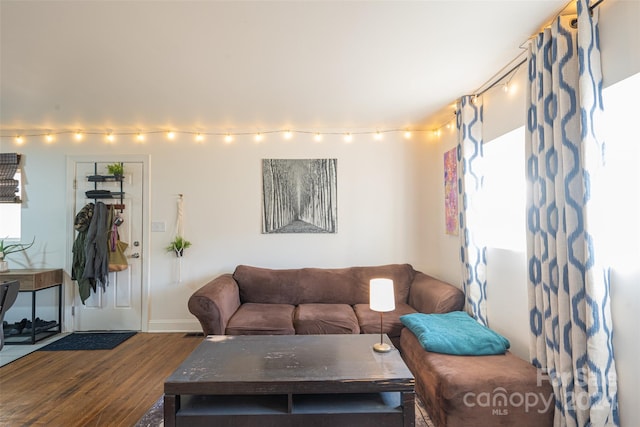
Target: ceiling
(251, 65)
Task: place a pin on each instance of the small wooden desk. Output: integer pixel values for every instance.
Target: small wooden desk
(34, 280)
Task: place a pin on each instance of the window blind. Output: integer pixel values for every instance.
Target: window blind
(8, 184)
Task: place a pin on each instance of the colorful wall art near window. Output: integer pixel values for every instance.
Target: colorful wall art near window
(451, 192)
(299, 195)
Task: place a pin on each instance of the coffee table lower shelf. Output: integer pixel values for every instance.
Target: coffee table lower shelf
(310, 410)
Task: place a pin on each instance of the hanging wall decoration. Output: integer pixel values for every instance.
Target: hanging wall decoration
(299, 195)
(179, 243)
(451, 192)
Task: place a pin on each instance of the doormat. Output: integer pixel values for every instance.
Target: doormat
(89, 341)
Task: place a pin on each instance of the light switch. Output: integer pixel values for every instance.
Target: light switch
(158, 226)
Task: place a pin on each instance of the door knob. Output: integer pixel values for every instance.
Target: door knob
(135, 255)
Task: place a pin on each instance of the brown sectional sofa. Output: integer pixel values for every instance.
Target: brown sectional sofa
(481, 391)
(261, 301)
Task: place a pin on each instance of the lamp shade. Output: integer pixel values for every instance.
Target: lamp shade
(381, 297)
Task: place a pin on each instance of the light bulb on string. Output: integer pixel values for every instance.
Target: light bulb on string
(111, 135)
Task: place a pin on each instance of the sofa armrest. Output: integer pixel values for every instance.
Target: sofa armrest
(214, 304)
(430, 295)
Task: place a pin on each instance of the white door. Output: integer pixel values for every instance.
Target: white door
(119, 307)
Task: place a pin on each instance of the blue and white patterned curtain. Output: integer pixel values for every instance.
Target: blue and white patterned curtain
(470, 173)
(569, 300)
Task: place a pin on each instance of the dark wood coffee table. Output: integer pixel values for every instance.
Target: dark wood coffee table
(290, 380)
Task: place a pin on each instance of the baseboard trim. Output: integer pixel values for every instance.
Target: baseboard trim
(174, 325)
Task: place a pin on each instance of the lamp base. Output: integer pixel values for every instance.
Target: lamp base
(381, 347)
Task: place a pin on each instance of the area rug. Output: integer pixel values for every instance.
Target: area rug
(155, 415)
(89, 341)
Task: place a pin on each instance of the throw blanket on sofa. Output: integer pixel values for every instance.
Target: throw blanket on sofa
(454, 333)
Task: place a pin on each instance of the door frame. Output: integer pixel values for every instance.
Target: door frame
(70, 291)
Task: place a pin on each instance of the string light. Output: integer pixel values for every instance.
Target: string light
(51, 136)
(437, 131)
(508, 86)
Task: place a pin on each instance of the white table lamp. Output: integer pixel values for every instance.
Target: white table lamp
(381, 299)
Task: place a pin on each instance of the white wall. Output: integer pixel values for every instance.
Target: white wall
(222, 191)
(440, 252)
(506, 270)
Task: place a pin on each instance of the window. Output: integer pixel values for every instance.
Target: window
(10, 208)
(504, 192)
(621, 232)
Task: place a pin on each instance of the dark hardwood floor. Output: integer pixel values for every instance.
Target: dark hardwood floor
(91, 388)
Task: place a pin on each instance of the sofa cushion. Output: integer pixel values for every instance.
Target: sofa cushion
(369, 320)
(262, 319)
(319, 285)
(313, 319)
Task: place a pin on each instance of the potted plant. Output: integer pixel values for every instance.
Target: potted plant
(9, 249)
(116, 169)
(178, 245)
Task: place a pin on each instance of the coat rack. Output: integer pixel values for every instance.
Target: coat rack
(106, 194)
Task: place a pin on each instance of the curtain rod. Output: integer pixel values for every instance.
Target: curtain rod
(499, 76)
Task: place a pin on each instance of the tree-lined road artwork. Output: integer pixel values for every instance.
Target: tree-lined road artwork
(299, 195)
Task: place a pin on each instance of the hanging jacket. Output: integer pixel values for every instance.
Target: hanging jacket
(96, 247)
(81, 224)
